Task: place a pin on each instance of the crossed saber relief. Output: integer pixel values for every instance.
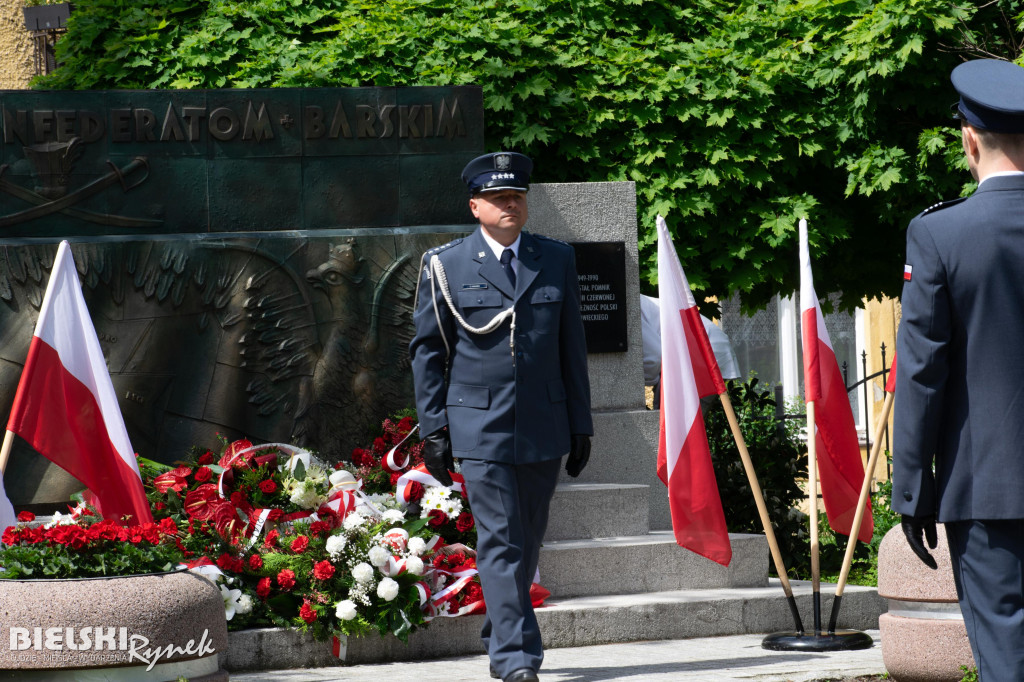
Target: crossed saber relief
(43, 206)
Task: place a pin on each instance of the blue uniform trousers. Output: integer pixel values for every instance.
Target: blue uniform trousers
(510, 505)
(988, 567)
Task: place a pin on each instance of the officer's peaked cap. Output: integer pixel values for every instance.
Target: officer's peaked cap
(500, 170)
(991, 94)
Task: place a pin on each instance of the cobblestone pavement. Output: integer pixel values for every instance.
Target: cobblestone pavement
(714, 659)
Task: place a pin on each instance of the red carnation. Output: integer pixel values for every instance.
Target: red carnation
(26, 516)
(159, 506)
(307, 612)
(394, 479)
(206, 458)
(436, 518)
(271, 539)
(405, 425)
(300, 544)
(203, 474)
(465, 522)
(286, 579)
(319, 527)
(415, 491)
(379, 446)
(323, 570)
(263, 588)
(255, 562)
(168, 526)
(268, 486)
(225, 561)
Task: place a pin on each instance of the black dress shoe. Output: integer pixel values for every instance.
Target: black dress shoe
(494, 674)
(522, 675)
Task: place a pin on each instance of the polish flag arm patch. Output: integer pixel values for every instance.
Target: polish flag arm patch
(908, 270)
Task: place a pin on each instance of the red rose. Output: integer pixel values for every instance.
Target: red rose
(275, 514)
(300, 544)
(255, 562)
(323, 570)
(465, 522)
(436, 518)
(415, 491)
(263, 588)
(237, 498)
(203, 474)
(268, 486)
(26, 516)
(159, 506)
(286, 579)
(307, 612)
(206, 458)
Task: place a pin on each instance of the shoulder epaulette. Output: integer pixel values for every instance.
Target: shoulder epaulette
(550, 239)
(941, 205)
(444, 247)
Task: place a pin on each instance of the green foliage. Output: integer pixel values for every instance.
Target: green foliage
(970, 674)
(733, 119)
(779, 461)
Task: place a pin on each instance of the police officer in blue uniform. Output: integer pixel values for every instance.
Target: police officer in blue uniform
(960, 375)
(500, 367)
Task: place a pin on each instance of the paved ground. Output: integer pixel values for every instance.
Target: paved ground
(715, 659)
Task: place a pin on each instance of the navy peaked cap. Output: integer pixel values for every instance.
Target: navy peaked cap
(500, 170)
(991, 94)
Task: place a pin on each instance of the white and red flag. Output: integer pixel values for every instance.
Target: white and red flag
(688, 373)
(840, 469)
(66, 407)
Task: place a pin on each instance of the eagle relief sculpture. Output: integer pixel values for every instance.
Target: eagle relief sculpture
(301, 340)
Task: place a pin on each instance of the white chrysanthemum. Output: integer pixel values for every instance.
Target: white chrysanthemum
(414, 565)
(305, 496)
(416, 546)
(393, 516)
(387, 589)
(378, 556)
(244, 605)
(346, 610)
(335, 545)
(362, 572)
(231, 598)
(452, 507)
(353, 520)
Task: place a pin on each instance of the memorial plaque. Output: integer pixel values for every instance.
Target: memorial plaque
(601, 267)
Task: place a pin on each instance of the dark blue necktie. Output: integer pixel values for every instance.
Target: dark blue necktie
(506, 263)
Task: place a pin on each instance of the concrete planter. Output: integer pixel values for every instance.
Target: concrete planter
(142, 628)
(923, 633)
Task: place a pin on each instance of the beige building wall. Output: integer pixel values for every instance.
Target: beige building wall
(881, 318)
(16, 57)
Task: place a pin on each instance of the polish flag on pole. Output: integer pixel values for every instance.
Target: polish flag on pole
(688, 372)
(838, 452)
(65, 406)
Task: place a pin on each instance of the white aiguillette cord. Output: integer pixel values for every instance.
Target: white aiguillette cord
(496, 321)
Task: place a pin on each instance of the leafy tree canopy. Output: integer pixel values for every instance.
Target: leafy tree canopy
(733, 118)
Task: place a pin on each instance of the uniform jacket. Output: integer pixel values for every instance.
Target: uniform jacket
(960, 373)
(513, 405)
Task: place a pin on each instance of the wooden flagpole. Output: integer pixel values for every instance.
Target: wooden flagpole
(5, 451)
(812, 499)
(858, 518)
(769, 532)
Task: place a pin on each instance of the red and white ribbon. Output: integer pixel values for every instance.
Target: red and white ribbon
(389, 462)
(422, 476)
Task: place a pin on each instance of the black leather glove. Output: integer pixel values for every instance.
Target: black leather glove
(579, 454)
(917, 529)
(437, 456)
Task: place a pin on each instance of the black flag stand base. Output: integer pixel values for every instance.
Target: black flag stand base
(833, 640)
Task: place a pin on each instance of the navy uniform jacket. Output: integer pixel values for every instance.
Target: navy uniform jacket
(960, 369)
(515, 409)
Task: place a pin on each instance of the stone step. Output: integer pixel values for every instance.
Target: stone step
(647, 563)
(598, 510)
(573, 622)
